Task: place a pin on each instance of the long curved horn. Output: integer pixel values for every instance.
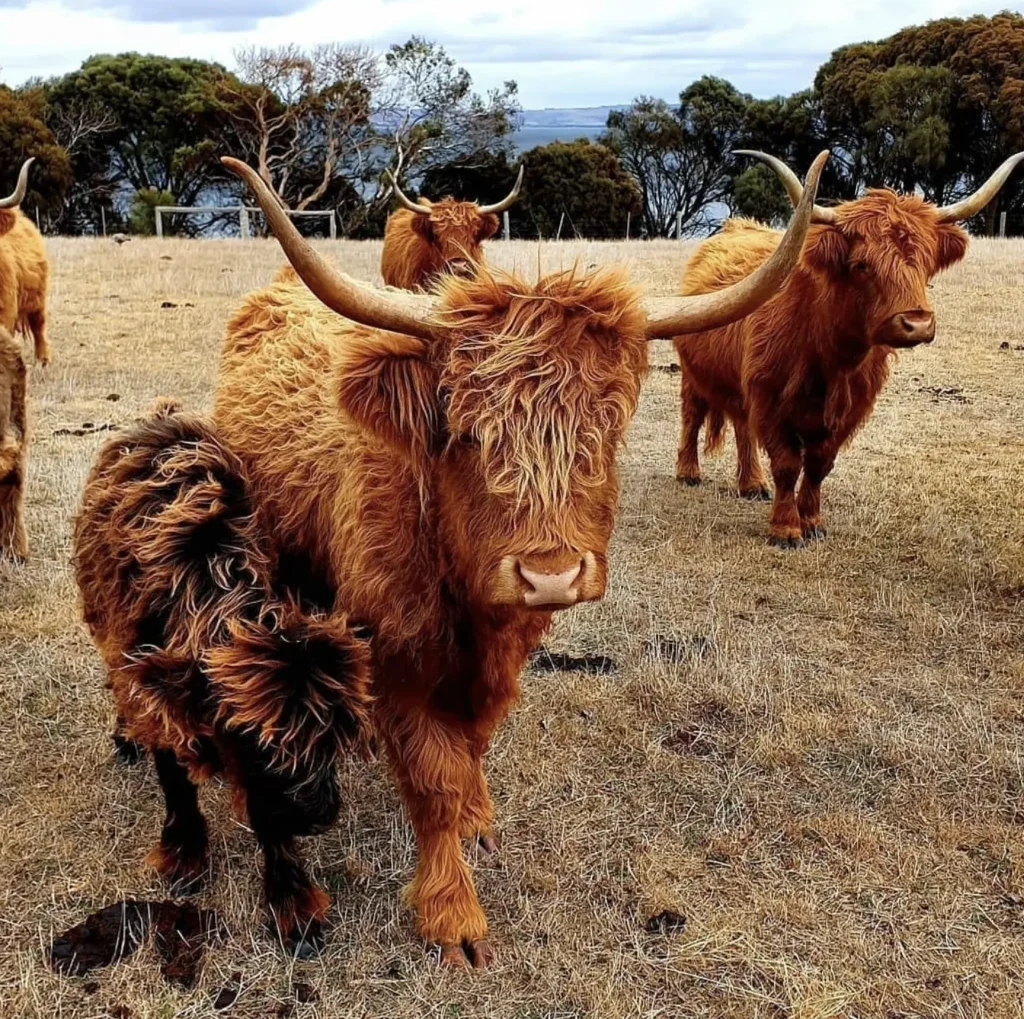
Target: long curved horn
(509, 198)
(973, 204)
(18, 195)
(339, 292)
(699, 312)
(791, 182)
(404, 199)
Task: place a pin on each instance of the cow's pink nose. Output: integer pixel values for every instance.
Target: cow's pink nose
(915, 327)
(551, 588)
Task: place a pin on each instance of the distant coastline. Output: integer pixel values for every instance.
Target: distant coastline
(561, 125)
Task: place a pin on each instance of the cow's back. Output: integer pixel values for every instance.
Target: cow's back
(714, 359)
(338, 505)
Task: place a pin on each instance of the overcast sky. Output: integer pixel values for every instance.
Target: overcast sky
(561, 53)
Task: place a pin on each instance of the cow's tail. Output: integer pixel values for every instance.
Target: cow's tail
(714, 431)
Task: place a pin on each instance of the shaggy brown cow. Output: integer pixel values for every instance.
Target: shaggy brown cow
(210, 669)
(13, 448)
(424, 239)
(24, 271)
(802, 373)
(446, 476)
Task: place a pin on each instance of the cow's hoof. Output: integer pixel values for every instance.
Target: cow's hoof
(489, 844)
(815, 533)
(779, 541)
(127, 751)
(467, 954)
(689, 482)
(182, 867)
(305, 942)
(761, 494)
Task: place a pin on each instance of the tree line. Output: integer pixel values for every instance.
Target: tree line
(934, 109)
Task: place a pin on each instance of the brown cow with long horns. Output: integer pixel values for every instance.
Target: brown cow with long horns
(424, 239)
(801, 374)
(24, 270)
(443, 470)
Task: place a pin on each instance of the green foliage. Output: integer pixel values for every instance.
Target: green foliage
(24, 133)
(679, 157)
(758, 194)
(165, 117)
(581, 180)
(142, 216)
(936, 106)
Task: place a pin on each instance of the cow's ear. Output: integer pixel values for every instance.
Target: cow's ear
(952, 246)
(387, 385)
(826, 249)
(421, 225)
(488, 226)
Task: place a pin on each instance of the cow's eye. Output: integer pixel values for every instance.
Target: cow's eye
(468, 439)
(861, 268)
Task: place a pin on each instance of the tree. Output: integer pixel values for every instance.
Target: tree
(581, 181)
(935, 106)
(142, 215)
(166, 125)
(484, 177)
(303, 117)
(322, 125)
(680, 157)
(23, 133)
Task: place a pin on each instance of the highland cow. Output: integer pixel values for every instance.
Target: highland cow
(801, 374)
(13, 448)
(24, 271)
(211, 669)
(424, 239)
(446, 475)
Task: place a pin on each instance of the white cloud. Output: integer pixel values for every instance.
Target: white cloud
(562, 54)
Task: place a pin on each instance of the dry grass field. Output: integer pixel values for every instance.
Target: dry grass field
(816, 757)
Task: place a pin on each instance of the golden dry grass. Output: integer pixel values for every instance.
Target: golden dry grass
(827, 780)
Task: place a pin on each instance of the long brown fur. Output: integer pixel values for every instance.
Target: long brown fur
(13, 448)
(24, 280)
(418, 249)
(208, 660)
(801, 374)
(407, 475)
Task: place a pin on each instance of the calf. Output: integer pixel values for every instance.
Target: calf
(211, 668)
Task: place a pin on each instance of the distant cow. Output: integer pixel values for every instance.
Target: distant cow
(801, 374)
(443, 470)
(211, 668)
(13, 448)
(424, 239)
(24, 271)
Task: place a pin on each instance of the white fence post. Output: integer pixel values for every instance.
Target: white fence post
(629, 216)
(679, 225)
(507, 230)
(1002, 224)
(243, 222)
(334, 226)
(159, 221)
(561, 220)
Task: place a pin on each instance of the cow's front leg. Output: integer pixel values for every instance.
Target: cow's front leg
(478, 808)
(432, 762)
(784, 454)
(818, 464)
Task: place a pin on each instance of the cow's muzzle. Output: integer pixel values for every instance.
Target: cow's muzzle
(909, 328)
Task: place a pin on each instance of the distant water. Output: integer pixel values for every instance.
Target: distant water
(530, 137)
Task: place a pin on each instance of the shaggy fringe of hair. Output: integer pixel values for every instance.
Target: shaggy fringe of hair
(177, 589)
(296, 683)
(536, 445)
